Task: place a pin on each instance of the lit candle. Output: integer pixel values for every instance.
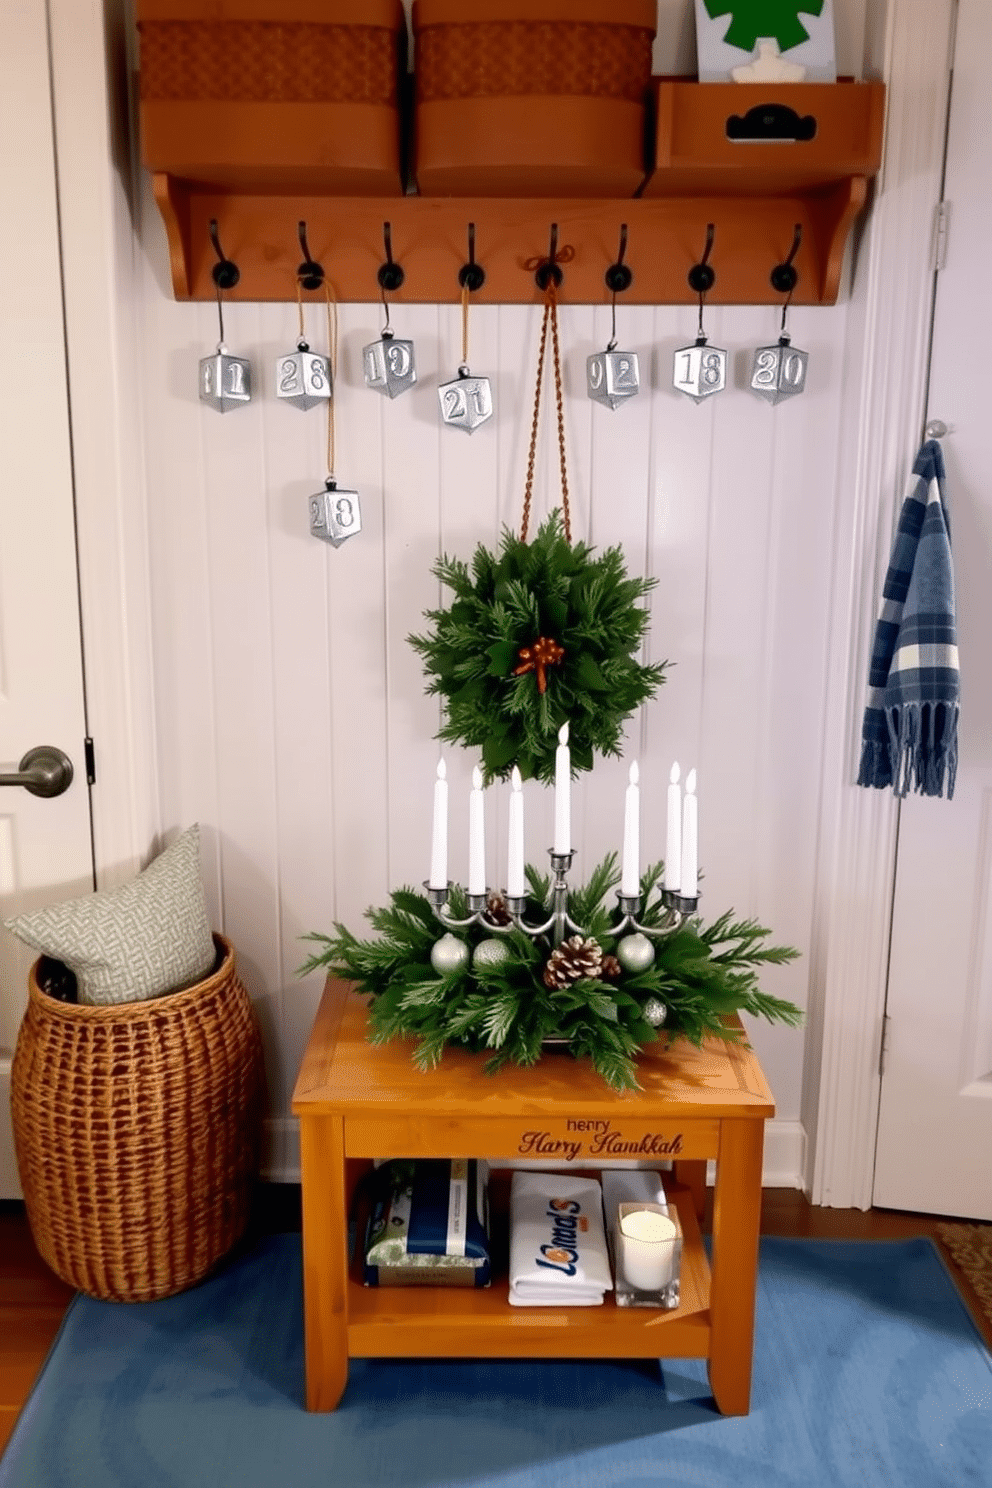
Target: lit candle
(515, 845)
(673, 852)
(688, 886)
(563, 792)
(439, 839)
(647, 1249)
(630, 882)
(476, 836)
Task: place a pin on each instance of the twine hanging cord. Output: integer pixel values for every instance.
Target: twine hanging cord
(563, 255)
(545, 652)
(332, 358)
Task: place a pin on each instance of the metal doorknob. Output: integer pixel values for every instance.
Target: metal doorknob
(44, 771)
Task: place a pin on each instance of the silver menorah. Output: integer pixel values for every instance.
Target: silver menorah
(559, 923)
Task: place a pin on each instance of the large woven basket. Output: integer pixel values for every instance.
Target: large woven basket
(545, 97)
(137, 1129)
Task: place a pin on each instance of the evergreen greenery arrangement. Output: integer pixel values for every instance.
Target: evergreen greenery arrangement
(512, 1000)
(537, 635)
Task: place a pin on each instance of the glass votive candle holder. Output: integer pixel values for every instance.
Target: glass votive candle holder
(649, 1246)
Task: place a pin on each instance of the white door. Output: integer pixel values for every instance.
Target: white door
(45, 843)
(934, 1151)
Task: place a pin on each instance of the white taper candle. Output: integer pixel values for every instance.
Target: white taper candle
(689, 885)
(673, 850)
(476, 836)
(563, 794)
(439, 838)
(515, 843)
(630, 880)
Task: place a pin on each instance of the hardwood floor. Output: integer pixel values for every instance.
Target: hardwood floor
(33, 1300)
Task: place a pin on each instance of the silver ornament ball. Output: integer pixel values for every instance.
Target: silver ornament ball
(635, 953)
(491, 952)
(449, 954)
(655, 1012)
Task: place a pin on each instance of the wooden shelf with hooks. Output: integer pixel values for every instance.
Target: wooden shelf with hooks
(755, 192)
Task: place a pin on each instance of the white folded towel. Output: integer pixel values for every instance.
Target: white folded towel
(558, 1254)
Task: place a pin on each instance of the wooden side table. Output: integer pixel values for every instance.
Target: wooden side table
(357, 1102)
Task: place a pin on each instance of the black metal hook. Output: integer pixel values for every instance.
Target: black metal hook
(390, 275)
(471, 276)
(548, 270)
(701, 276)
(618, 276)
(784, 277)
(309, 273)
(225, 273)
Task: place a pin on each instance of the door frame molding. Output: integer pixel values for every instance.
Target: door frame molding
(883, 410)
(884, 371)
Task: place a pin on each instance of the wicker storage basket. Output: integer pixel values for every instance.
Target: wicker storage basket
(276, 96)
(531, 99)
(136, 1129)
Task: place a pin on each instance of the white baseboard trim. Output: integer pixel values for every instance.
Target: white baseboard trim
(784, 1157)
(281, 1150)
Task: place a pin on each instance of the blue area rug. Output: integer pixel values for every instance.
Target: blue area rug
(868, 1374)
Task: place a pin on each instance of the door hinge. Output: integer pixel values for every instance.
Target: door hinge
(884, 1049)
(90, 761)
(940, 236)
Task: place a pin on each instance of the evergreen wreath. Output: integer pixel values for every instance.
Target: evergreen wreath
(538, 635)
(578, 994)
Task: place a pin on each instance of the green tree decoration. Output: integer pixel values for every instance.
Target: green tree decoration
(538, 635)
(512, 1005)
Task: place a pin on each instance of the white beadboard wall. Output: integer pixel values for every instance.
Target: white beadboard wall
(292, 721)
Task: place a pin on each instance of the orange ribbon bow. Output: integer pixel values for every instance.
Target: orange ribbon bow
(543, 653)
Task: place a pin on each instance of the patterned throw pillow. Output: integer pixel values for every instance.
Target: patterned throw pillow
(150, 937)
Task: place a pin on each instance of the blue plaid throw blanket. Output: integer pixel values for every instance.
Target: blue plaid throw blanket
(909, 736)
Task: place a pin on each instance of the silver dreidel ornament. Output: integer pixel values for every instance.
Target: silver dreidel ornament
(779, 371)
(389, 363)
(335, 513)
(613, 377)
(467, 402)
(303, 377)
(700, 370)
(225, 380)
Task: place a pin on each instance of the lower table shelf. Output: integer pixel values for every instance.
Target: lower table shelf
(458, 1322)
(357, 1101)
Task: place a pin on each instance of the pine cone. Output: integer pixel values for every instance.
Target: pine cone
(496, 910)
(611, 970)
(574, 959)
